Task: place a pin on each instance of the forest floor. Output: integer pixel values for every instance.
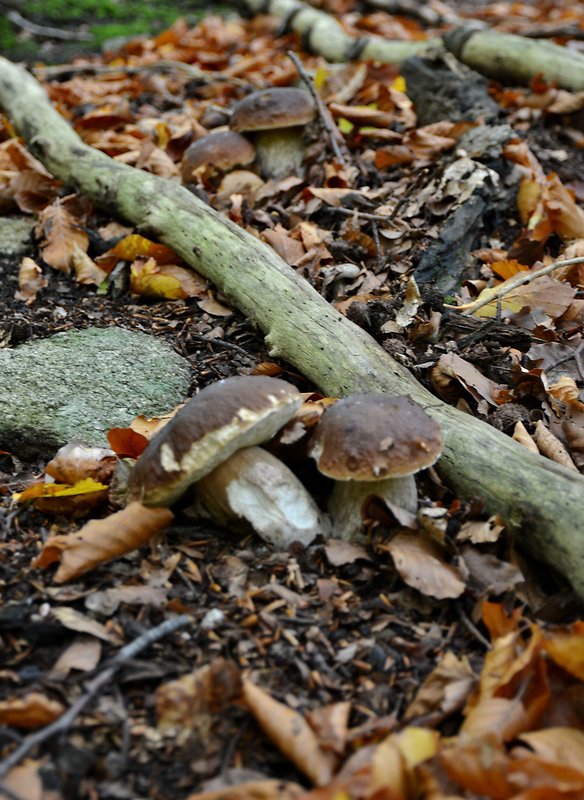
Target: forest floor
(340, 634)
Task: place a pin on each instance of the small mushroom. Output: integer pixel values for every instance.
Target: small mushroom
(275, 118)
(215, 154)
(373, 444)
(224, 417)
(255, 489)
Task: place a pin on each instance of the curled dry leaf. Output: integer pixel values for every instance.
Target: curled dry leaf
(75, 461)
(102, 540)
(186, 704)
(34, 710)
(126, 442)
(85, 268)
(82, 654)
(30, 281)
(25, 780)
(419, 562)
(521, 435)
(290, 732)
(254, 790)
(167, 281)
(445, 690)
(550, 446)
(76, 621)
(61, 233)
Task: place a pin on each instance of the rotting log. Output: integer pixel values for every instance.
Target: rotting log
(514, 59)
(322, 34)
(541, 501)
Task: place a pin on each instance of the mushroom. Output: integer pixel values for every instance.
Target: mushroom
(216, 153)
(373, 444)
(255, 489)
(275, 118)
(224, 417)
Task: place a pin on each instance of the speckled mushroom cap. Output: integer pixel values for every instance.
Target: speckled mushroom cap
(224, 417)
(223, 150)
(368, 437)
(269, 109)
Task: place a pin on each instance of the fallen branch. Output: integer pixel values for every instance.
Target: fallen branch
(516, 59)
(322, 34)
(64, 722)
(540, 500)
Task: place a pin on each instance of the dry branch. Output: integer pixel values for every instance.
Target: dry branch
(540, 500)
(516, 59)
(322, 34)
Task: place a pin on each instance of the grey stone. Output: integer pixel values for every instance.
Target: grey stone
(16, 236)
(77, 385)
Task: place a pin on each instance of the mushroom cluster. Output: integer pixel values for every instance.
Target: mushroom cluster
(211, 442)
(369, 444)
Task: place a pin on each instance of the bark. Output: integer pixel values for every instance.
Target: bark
(515, 59)
(322, 34)
(540, 500)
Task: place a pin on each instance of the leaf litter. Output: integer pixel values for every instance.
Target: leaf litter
(339, 670)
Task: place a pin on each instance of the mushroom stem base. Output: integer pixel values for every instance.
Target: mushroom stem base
(348, 498)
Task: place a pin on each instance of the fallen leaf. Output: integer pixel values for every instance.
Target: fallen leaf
(290, 732)
(25, 781)
(451, 366)
(255, 790)
(127, 443)
(340, 552)
(76, 621)
(61, 233)
(102, 540)
(550, 446)
(30, 281)
(82, 654)
(566, 648)
(85, 268)
(75, 461)
(419, 562)
(34, 710)
(445, 689)
(167, 281)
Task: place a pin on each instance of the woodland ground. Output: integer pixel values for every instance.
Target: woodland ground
(314, 626)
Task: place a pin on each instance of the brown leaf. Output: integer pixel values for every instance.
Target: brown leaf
(127, 443)
(340, 552)
(290, 732)
(183, 705)
(30, 281)
(82, 654)
(76, 621)
(34, 710)
(25, 780)
(102, 540)
(289, 249)
(445, 689)
(254, 790)
(85, 268)
(75, 461)
(452, 366)
(550, 446)
(61, 232)
(419, 562)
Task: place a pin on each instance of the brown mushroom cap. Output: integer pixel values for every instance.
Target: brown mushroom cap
(271, 109)
(369, 437)
(223, 418)
(222, 150)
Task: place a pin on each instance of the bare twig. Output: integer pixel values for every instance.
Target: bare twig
(324, 114)
(45, 31)
(92, 690)
(508, 286)
(50, 72)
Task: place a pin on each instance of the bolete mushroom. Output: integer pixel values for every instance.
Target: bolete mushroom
(373, 444)
(224, 417)
(254, 489)
(275, 119)
(216, 154)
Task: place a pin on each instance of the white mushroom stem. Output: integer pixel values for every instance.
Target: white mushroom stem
(254, 488)
(280, 152)
(348, 498)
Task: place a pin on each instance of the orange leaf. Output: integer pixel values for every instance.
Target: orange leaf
(126, 442)
(566, 648)
(290, 733)
(34, 710)
(61, 234)
(169, 281)
(102, 540)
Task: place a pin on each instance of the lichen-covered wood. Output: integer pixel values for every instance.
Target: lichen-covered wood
(540, 500)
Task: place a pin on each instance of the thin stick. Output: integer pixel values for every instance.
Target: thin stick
(45, 31)
(47, 73)
(93, 688)
(513, 283)
(328, 124)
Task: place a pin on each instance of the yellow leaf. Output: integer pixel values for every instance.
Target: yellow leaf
(399, 84)
(85, 486)
(147, 279)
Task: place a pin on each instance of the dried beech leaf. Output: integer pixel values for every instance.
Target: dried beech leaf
(34, 710)
(126, 442)
(102, 540)
(75, 461)
(85, 268)
(61, 234)
(254, 790)
(167, 281)
(25, 781)
(290, 733)
(566, 648)
(30, 281)
(560, 745)
(76, 621)
(82, 654)
(550, 446)
(419, 562)
(185, 705)
(445, 689)
(521, 435)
